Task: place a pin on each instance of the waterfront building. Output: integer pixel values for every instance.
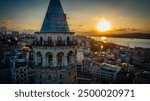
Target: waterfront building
(54, 49)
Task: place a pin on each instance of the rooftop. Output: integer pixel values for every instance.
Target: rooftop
(55, 18)
(110, 68)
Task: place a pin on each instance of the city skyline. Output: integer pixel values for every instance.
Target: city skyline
(123, 15)
(55, 55)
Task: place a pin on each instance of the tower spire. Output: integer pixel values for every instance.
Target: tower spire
(55, 18)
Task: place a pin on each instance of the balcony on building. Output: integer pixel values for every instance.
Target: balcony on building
(54, 43)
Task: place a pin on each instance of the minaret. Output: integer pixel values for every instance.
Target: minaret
(55, 49)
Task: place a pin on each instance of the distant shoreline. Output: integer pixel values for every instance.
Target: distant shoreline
(127, 35)
(133, 35)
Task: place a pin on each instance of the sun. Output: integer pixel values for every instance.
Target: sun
(104, 26)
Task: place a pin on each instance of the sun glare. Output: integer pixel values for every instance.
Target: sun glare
(103, 38)
(104, 26)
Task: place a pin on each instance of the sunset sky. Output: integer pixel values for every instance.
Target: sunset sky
(83, 15)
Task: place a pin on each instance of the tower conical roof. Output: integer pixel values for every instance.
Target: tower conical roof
(55, 18)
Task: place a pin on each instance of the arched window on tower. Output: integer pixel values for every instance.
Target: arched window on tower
(70, 58)
(68, 40)
(39, 58)
(49, 77)
(59, 40)
(60, 58)
(49, 40)
(49, 59)
(41, 40)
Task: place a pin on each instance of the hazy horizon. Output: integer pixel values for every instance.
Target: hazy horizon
(125, 16)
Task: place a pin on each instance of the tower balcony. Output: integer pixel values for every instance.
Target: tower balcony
(54, 43)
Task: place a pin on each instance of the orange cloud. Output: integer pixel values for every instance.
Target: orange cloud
(7, 25)
(10, 26)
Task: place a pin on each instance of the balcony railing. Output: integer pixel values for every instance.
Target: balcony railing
(55, 43)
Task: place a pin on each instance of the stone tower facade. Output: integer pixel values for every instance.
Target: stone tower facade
(54, 49)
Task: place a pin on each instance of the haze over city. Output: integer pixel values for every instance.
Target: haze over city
(83, 15)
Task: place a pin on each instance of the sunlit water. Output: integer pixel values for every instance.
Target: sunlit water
(131, 42)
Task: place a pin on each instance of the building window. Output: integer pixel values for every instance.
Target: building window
(60, 76)
(68, 40)
(41, 40)
(39, 58)
(60, 57)
(59, 40)
(49, 59)
(25, 70)
(49, 77)
(49, 40)
(70, 57)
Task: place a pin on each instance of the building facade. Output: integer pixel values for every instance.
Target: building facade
(54, 49)
(108, 73)
(19, 70)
